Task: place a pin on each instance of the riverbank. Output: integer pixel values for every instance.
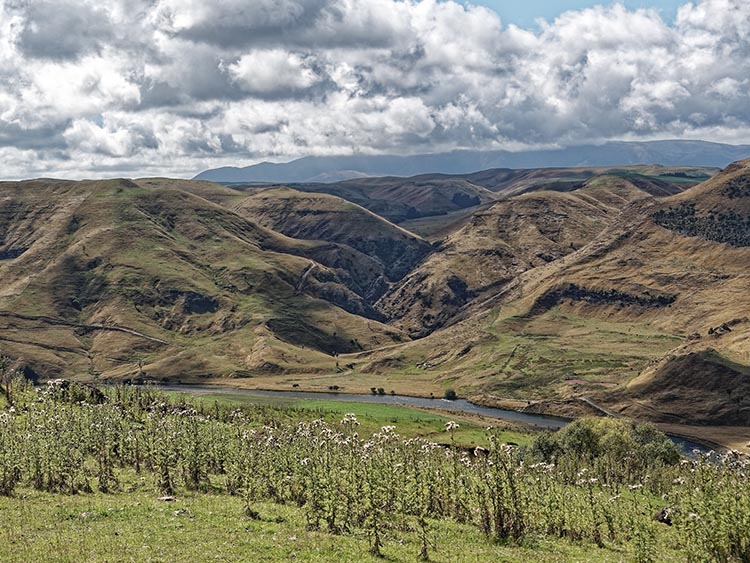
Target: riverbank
(704, 437)
(534, 421)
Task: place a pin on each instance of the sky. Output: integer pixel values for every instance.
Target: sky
(525, 13)
(96, 88)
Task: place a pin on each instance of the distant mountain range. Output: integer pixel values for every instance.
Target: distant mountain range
(337, 168)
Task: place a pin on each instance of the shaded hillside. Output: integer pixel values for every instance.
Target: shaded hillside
(434, 201)
(667, 391)
(402, 199)
(591, 321)
(438, 227)
(226, 295)
(328, 218)
(497, 244)
(716, 211)
(658, 181)
(655, 180)
(635, 255)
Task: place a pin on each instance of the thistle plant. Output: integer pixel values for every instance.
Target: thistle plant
(598, 482)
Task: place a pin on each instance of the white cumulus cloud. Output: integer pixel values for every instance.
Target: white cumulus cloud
(171, 87)
(272, 71)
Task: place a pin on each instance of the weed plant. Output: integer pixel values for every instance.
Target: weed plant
(597, 481)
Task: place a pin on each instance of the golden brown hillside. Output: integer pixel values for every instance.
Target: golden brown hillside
(639, 295)
(604, 293)
(496, 245)
(656, 180)
(116, 278)
(387, 252)
(666, 391)
(400, 199)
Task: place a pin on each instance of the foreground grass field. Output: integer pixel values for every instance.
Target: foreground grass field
(134, 526)
(125, 474)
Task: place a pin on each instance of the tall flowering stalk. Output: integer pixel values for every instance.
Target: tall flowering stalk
(599, 481)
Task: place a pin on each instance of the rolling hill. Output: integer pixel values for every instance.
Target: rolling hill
(323, 217)
(655, 180)
(435, 204)
(617, 289)
(116, 278)
(497, 244)
(402, 199)
(649, 318)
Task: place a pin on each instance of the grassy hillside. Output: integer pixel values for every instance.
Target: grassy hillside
(213, 292)
(608, 298)
(436, 205)
(665, 389)
(669, 280)
(656, 180)
(640, 260)
(401, 199)
(323, 217)
(636, 297)
(501, 242)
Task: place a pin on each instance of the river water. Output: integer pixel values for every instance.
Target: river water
(461, 405)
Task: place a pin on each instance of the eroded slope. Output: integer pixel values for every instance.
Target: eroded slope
(201, 290)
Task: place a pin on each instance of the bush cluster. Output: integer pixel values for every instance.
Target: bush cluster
(725, 227)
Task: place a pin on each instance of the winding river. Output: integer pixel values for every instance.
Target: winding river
(461, 405)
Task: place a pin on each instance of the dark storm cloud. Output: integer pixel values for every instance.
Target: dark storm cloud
(63, 29)
(305, 24)
(243, 24)
(41, 138)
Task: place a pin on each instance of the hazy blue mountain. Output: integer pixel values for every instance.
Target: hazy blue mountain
(337, 168)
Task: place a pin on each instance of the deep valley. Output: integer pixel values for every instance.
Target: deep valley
(546, 290)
